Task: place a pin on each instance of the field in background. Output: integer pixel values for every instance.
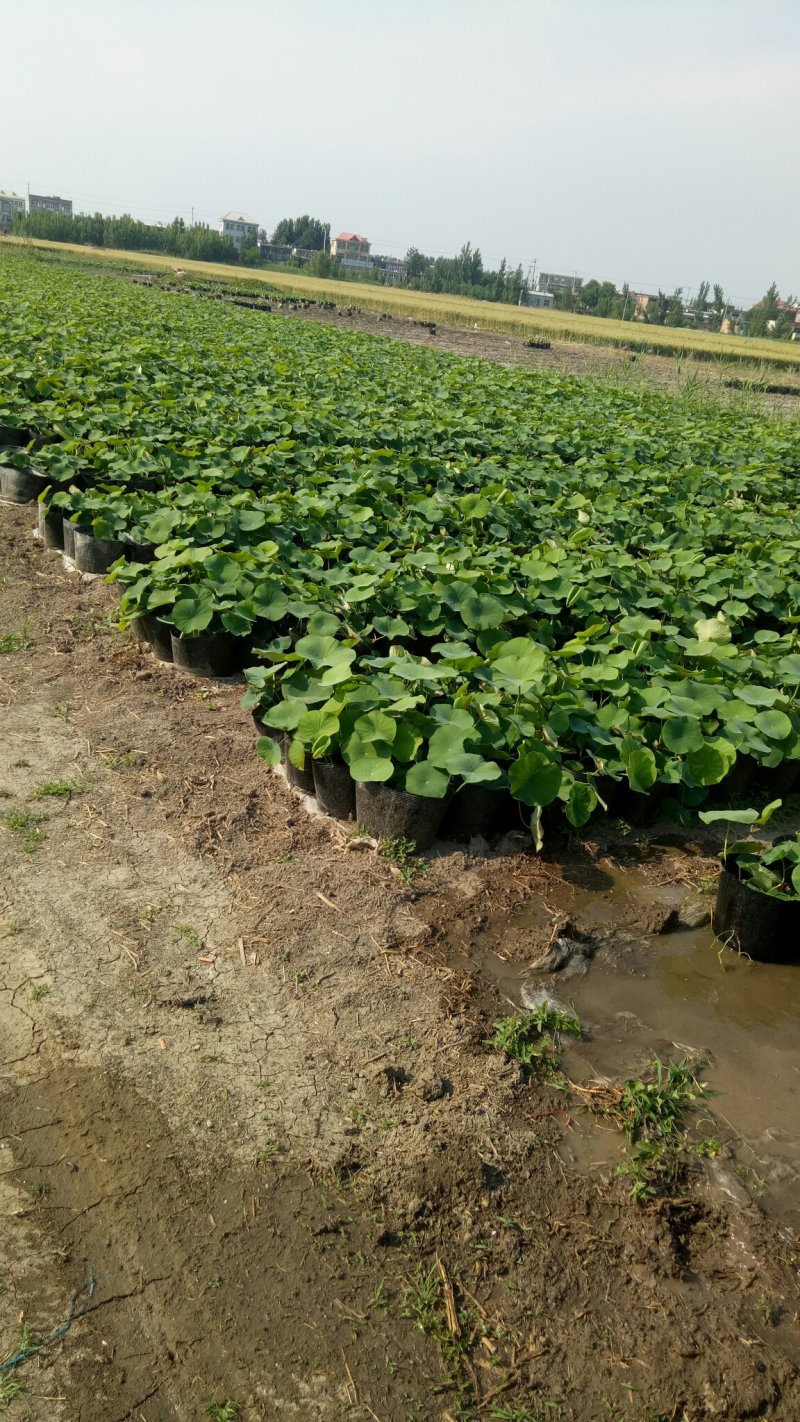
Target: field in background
(462, 311)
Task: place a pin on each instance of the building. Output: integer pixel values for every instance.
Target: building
(537, 298)
(11, 204)
(643, 300)
(242, 230)
(556, 282)
(50, 204)
(351, 249)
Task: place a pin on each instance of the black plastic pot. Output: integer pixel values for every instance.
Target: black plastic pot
(159, 635)
(335, 789)
(51, 527)
(95, 555)
(70, 529)
(20, 486)
(207, 653)
(301, 779)
(14, 437)
(395, 814)
(780, 781)
(139, 631)
(474, 810)
(759, 925)
(138, 552)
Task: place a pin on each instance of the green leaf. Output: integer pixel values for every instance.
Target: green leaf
(269, 750)
(581, 803)
(682, 735)
(194, 610)
(424, 779)
(710, 764)
(775, 725)
(642, 770)
(535, 779)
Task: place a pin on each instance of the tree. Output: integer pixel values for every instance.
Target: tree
(306, 232)
(417, 263)
(700, 303)
(765, 311)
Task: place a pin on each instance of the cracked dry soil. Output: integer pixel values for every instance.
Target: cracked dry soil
(241, 1089)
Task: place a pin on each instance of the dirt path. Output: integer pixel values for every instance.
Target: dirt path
(246, 1105)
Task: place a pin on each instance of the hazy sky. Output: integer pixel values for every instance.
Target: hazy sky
(654, 141)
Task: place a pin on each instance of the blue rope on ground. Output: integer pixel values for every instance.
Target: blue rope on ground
(74, 1313)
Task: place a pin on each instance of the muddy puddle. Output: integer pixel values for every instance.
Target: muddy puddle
(641, 991)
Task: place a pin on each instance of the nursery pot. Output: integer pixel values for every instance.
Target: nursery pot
(396, 814)
(335, 789)
(14, 437)
(20, 486)
(207, 653)
(159, 635)
(138, 552)
(95, 555)
(474, 810)
(70, 529)
(139, 630)
(51, 527)
(301, 779)
(762, 926)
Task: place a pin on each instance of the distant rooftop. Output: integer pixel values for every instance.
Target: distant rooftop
(238, 217)
(350, 237)
(17, 196)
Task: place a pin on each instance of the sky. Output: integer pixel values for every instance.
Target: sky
(648, 141)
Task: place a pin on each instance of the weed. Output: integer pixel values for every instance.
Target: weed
(128, 1039)
(707, 884)
(58, 789)
(140, 991)
(282, 859)
(403, 854)
(227, 1411)
(654, 1110)
(122, 762)
(22, 764)
(518, 1412)
(60, 708)
(766, 1310)
(40, 990)
(532, 1038)
(651, 1113)
(13, 927)
(10, 1389)
(268, 1152)
(410, 1042)
(15, 641)
(25, 823)
(190, 936)
(380, 1298)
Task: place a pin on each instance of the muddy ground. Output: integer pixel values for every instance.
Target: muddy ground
(251, 1133)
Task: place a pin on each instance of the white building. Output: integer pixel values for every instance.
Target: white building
(10, 205)
(242, 230)
(557, 282)
(537, 298)
(37, 203)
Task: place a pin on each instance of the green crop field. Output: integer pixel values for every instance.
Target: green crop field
(462, 311)
(439, 573)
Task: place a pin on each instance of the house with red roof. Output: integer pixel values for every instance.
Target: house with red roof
(350, 247)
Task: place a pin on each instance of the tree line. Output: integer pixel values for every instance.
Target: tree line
(176, 240)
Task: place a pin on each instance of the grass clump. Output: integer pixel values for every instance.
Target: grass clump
(11, 1389)
(652, 1112)
(15, 641)
(402, 853)
(57, 790)
(227, 1411)
(25, 823)
(533, 1038)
